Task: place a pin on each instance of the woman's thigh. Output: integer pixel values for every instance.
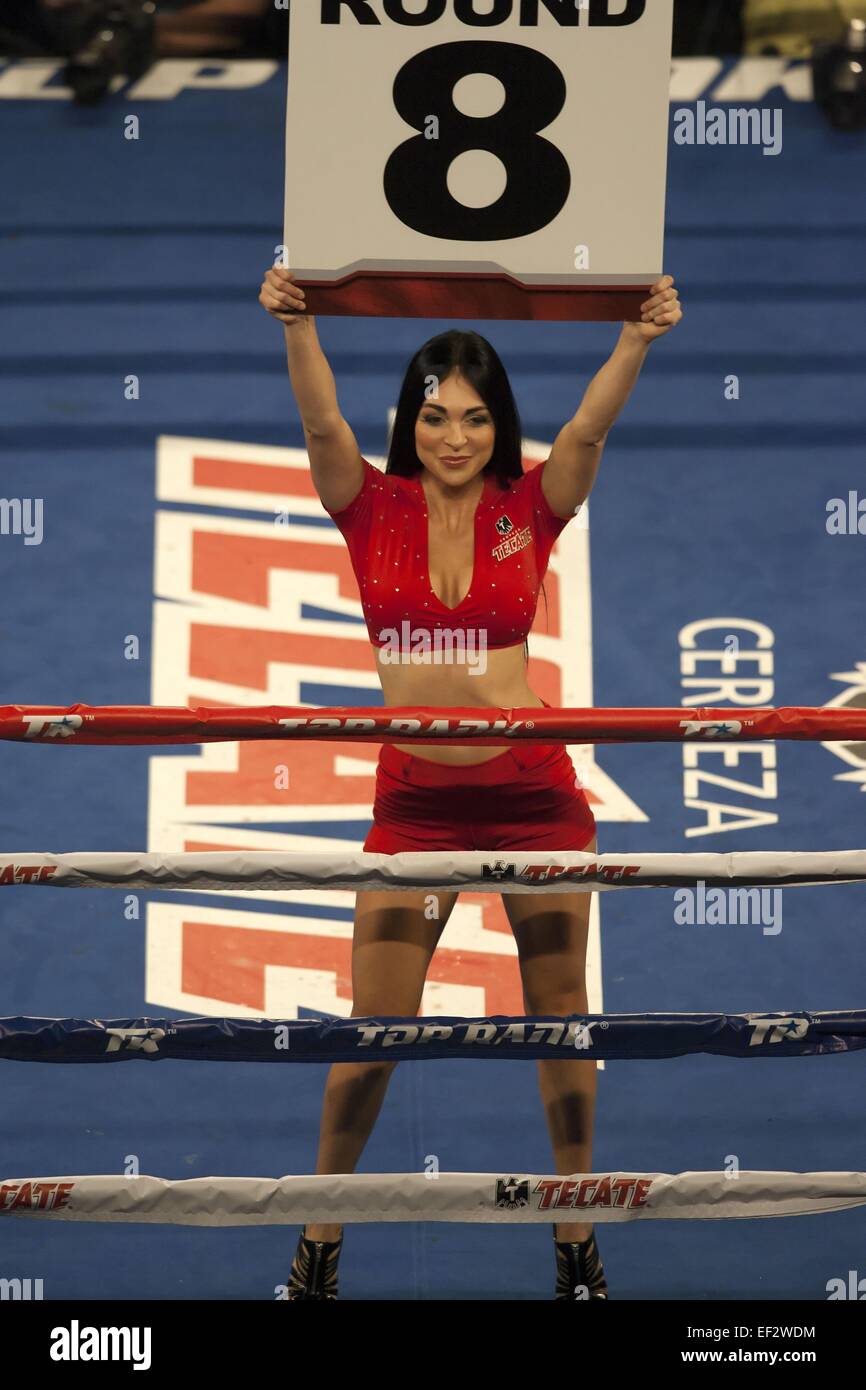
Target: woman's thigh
(551, 931)
(394, 938)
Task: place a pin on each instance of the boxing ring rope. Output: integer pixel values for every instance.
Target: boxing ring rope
(592, 1036)
(135, 724)
(476, 1197)
(483, 871)
(344, 1198)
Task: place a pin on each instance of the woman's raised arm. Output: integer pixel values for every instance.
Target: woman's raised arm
(335, 459)
(570, 471)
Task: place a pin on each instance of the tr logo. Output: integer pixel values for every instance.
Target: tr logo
(42, 726)
(695, 728)
(134, 1039)
(773, 1030)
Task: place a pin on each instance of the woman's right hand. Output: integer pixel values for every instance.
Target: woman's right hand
(283, 299)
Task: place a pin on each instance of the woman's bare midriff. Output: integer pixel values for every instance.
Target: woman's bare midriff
(501, 684)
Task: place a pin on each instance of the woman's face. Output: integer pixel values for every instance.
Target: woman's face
(454, 432)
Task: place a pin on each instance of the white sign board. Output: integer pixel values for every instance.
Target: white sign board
(477, 158)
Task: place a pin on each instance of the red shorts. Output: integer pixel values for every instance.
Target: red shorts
(526, 798)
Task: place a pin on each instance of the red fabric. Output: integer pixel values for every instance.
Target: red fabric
(385, 529)
(527, 798)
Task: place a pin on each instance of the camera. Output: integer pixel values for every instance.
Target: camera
(106, 39)
(839, 77)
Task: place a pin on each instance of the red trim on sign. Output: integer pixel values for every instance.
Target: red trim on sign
(469, 295)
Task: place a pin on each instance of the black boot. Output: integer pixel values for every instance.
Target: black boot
(579, 1271)
(314, 1269)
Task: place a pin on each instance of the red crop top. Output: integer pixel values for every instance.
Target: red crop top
(385, 529)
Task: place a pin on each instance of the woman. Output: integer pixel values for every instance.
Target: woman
(449, 547)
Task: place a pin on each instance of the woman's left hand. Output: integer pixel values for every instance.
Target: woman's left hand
(661, 312)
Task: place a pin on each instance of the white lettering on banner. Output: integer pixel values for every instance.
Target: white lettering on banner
(752, 79)
(747, 79)
(30, 79)
(740, 658)
(172, 76)
(740, 691)
(854, 751)
(693, 77)
(40, 79)
(766, 788)
(233, 624)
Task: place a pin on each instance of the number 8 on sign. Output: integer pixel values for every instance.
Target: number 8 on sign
(538, 177)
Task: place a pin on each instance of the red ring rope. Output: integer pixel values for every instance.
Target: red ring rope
(127, 724)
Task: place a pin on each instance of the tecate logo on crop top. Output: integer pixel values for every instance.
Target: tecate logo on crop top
(519, 541)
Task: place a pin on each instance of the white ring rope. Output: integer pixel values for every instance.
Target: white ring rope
(476, 1197)
(491, 871)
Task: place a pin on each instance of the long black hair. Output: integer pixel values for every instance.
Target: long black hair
(478, 361)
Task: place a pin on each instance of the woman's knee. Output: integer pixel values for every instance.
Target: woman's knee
(361, 1073)
(557, 1000)
(379, 1009)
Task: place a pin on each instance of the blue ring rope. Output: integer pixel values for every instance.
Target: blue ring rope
(591, 1036)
